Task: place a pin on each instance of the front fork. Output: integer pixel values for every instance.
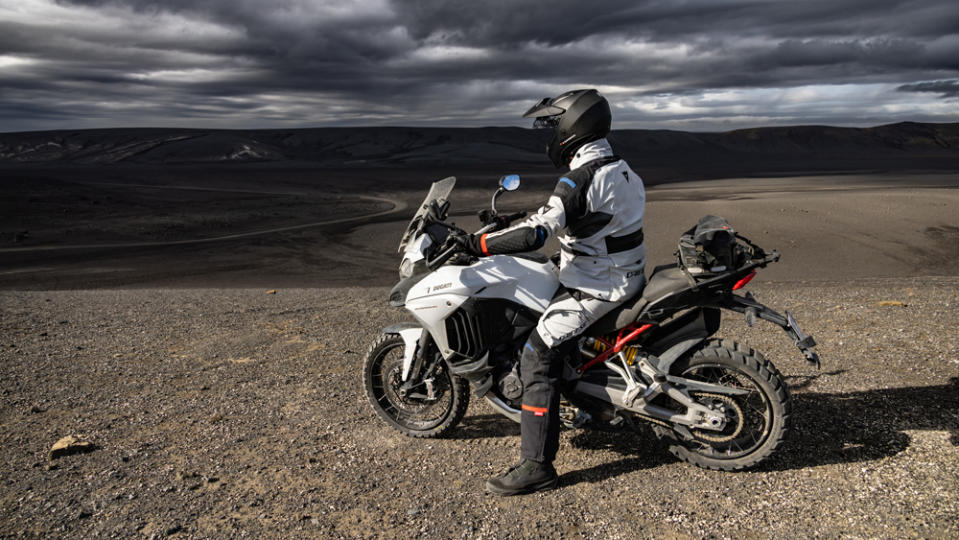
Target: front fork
(415, 343)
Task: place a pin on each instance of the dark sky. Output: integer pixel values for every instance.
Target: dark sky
(696, 65)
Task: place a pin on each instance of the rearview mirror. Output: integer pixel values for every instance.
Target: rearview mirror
(510, 182)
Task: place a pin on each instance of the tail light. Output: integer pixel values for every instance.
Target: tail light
(742, 283)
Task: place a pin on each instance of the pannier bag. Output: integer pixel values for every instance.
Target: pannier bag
(708, 248)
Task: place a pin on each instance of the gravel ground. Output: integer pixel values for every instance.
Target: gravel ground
(231, 413)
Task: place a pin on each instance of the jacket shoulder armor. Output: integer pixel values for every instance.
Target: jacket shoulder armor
(573, 187)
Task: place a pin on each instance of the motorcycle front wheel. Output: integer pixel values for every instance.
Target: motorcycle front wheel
(757, 422)
(429, 409)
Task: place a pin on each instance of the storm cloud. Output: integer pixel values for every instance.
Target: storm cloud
(701, 65)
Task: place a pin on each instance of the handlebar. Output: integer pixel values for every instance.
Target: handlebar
(513, 217)
(449, 248)
(441, 259)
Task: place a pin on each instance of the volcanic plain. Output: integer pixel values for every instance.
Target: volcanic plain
(203, 328)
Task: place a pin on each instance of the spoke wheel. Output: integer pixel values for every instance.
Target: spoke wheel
(756, 423)
(428, 409)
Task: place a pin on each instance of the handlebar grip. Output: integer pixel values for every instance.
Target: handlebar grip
(518, 215)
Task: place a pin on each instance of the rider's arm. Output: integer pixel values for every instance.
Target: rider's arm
(533, 233)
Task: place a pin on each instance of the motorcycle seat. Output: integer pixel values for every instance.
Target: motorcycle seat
(664, 280)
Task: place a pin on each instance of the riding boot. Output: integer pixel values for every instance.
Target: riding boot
(527, 476)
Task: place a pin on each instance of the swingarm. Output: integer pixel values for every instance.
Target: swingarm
(645, 381)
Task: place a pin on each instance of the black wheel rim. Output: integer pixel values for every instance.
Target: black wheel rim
(749, 417)
(410, 411)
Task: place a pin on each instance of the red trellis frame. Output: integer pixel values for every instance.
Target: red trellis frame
(625, 335)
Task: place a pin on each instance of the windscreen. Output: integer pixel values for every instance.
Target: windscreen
(439, 191)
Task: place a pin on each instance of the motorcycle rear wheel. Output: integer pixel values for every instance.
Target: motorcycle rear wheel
(412, 413)
(757, 422)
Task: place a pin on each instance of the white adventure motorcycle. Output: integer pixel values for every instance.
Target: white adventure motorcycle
(721, 404)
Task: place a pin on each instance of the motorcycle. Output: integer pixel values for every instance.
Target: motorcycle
(654, 359)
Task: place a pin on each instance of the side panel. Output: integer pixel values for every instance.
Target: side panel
(432, 312)
(433, 299)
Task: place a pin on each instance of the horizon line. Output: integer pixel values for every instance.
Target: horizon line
(400, 126)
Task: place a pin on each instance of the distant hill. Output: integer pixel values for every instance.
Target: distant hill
(660, 155)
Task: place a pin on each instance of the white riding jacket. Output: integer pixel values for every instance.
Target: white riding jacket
(599, 204)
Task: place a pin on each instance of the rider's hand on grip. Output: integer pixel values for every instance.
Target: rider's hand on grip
(486, 216)
(463, 243)
(513, 217)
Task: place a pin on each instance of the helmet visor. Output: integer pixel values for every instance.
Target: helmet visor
(546, 122)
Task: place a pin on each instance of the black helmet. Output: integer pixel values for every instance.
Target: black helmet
(576, 117)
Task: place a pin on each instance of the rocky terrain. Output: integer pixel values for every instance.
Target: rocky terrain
(240, 413)
(181, 344)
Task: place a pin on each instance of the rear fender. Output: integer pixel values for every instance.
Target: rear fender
(748, 306)
(677, 337)
(668, 358)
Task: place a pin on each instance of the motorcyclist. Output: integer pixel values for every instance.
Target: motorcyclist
(599, 204)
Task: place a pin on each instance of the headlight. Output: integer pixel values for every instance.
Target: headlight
(406, 268)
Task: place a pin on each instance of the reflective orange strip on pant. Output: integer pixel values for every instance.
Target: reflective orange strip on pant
(537, 410)
(483, 245)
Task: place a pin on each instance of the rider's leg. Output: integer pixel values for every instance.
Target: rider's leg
(541, 368)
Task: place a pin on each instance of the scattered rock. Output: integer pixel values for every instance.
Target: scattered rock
(859, 412)
(70, 445)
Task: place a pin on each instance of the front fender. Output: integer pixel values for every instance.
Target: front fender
(411, 333)
(397, 327)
